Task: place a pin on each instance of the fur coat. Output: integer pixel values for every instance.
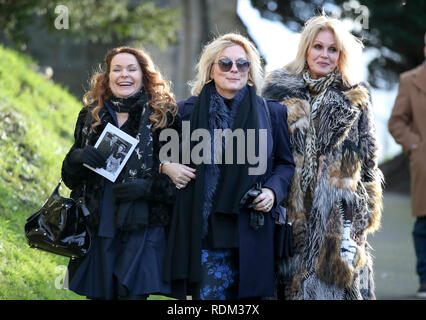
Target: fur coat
(348, 183)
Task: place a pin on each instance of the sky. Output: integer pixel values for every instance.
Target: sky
(278, 45)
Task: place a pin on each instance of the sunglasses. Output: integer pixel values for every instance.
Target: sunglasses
(225, 65)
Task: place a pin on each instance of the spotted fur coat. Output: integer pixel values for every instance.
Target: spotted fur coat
(348, 183)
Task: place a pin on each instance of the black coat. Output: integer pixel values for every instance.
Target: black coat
(161, 195)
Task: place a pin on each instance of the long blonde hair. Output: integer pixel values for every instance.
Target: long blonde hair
(349, 46)
(214, 48)
(158, 89)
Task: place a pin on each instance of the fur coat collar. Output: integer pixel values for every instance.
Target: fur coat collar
(338, 114)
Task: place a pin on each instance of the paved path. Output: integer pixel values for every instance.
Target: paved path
(394, 262)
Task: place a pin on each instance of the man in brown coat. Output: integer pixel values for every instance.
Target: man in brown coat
(407, 125)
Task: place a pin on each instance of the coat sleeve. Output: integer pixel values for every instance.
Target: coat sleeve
(162, 189)
(74, 175)
(371, 175)
(283, 163)
(402, 116)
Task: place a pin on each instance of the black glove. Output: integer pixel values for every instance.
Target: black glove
(257, 219)
(250, 195)
(130, 191)
(90, 156)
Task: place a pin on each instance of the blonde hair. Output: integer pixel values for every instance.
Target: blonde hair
(214, 48)
(349, 47)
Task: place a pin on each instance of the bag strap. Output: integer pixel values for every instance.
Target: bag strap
(268, 115)
(265, 103)
(80, 201)
(56, 190)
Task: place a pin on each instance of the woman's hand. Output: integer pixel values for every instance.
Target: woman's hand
(178, 173)
(265, 200)
(88, 155)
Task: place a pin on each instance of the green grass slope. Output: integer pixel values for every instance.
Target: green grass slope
(37, 120)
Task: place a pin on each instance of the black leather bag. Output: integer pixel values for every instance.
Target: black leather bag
(283, 237)
(60, 226)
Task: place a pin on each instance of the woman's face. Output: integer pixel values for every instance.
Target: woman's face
(323, 56)
(229, 82)
(125, 76)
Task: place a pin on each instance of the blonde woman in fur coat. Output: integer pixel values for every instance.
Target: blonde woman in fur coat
(335, 199)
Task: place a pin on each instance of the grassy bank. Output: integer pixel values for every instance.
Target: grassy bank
(36, 127)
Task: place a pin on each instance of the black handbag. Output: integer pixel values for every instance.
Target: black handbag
(60, 226)
(283, 237)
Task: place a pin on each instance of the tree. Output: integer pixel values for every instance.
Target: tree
(93, 20)
(396, 28)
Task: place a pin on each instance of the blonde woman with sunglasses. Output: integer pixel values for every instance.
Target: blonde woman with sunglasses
(220, 243)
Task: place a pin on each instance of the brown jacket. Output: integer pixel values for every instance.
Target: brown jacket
(407, 125)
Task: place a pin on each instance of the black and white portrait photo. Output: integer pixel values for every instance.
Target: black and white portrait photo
(117, 146)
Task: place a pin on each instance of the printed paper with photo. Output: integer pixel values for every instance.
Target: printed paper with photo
(117, 146)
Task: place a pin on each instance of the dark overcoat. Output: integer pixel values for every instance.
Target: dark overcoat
(161, 193)
(256, 258)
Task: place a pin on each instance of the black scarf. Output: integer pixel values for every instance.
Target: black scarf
(132, 215)
(125, 104)
(183, 259)
(221, 116)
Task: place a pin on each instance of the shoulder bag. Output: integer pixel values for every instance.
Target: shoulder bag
(60, 226)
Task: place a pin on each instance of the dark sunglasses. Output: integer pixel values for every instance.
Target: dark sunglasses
(226, 64)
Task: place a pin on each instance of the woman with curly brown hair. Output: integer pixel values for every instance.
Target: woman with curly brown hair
(127, 217)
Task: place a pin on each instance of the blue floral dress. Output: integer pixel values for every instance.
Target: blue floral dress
(219, 275)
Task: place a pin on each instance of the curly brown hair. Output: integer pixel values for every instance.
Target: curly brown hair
(162, 99)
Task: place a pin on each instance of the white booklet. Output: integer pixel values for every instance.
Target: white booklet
(117, 146)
